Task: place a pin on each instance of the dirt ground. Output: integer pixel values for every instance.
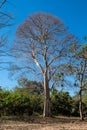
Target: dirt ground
(59, 123)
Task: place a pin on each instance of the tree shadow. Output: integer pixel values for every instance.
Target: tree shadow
(41, 120)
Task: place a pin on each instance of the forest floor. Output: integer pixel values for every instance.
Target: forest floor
(38, 123)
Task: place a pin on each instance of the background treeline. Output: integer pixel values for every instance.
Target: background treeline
(28, 100)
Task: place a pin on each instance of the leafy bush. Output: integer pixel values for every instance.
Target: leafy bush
(61, 103)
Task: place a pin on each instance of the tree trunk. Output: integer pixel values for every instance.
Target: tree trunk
(47, 108)
(80, 104)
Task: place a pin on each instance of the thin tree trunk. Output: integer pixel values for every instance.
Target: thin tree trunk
(47, 109)
(80, 104)
(83, 68)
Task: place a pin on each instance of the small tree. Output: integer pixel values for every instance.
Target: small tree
(82, 75)
(42, 41)
(79, 70)
(33, 87)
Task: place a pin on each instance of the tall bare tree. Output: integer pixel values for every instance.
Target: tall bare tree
(42, 41)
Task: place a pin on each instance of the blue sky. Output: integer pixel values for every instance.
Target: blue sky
(72, 12)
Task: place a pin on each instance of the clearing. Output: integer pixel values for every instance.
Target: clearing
(38, 123)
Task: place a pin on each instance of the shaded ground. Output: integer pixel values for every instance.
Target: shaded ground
(59, 123)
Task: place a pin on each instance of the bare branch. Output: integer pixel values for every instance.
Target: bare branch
(37, 63)
(2, 3)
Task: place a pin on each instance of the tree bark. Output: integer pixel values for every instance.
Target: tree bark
(47, 107)
(80, 104)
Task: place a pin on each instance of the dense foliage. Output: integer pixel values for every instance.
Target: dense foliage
(62, 103)
(20, 102)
